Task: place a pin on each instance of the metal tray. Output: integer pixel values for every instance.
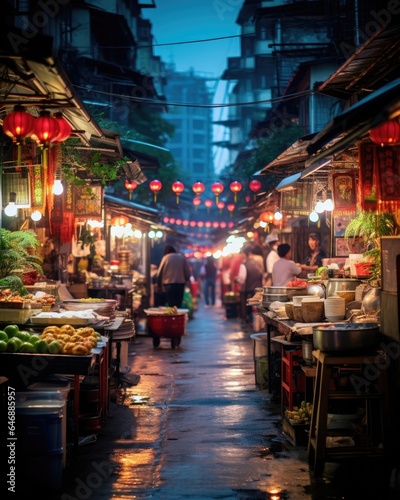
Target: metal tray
(59, 321)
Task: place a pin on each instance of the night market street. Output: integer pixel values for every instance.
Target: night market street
(196, 426)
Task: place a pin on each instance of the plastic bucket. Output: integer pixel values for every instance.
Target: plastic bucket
(260, 356)
(39, 417)
(63, 388)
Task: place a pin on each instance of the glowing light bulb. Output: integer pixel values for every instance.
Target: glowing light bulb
(58, 187)
(319, 207)
(313, 216)
(152, 234)
(159, 234)
(36, 215)
(329, 205)
(278, 215)
(11, 209)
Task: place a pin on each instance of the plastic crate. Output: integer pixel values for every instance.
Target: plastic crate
(171, 325)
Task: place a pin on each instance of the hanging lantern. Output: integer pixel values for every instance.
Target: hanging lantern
(217, 188)
(119, 220)
(236, 187)
(18, 124)
(208, 204)
(386, 134)
(198, 188)
(220, 205)
(231, 207)
(155, 186)
(177, 188)
(255, 185)
(64, 128)
(46, 128)
(196, 201)
(266, 217)
(130, 186)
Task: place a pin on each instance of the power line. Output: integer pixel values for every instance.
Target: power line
(194, 105)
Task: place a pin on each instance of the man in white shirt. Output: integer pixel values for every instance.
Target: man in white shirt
(273, 242)
(284, 269)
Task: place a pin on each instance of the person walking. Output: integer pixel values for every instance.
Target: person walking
(210, 277)
(173, 274)
(314, 259)
(250, 277)
(284, 269)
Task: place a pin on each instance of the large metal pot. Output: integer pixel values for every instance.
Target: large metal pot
(275, 290)
(340, 285)
(346, 337)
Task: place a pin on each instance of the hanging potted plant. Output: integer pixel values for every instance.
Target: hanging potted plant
(371, 226)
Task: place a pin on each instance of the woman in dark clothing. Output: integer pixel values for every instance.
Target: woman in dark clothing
(210, 278)
(173, 274)
(314, 260)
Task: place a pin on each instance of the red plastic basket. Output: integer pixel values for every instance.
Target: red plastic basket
(171, 325)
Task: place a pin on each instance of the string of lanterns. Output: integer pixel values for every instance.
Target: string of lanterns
(200, 223)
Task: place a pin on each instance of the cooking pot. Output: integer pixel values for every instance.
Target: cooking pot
(348, 337)
(340, 285)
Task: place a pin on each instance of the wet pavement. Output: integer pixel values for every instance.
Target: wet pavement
(196, 426)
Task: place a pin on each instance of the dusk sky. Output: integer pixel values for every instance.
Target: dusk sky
(183, 21)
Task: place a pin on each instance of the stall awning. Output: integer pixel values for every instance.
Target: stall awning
(351, 125)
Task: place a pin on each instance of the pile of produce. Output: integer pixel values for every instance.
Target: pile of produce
(300, 415)
(297, 283)
(172, 310)
(8, 297)
(53, 340)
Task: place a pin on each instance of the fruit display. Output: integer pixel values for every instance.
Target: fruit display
(9, 298)
(171, 310)
(296, 283)
(300, 415)
(53, 340)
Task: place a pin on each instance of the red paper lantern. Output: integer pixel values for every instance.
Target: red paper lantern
(119, 220)
(155, 186)
(231, 207)
(192, 223)
(177, 188)
(217, 188)
(200, 223)
(208, 224)
(64, 127)
(236, 187)
(208, 204)
(255, 185)
(220, 205)
(18, 124)
(196, 201)
(386, 134)
(198, 187)
(46, 128)
(215, 224)
(267, 217)
(130, 186)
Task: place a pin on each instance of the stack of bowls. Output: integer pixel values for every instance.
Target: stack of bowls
(335, 308)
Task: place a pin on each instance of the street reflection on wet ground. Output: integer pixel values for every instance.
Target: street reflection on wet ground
(196, 426)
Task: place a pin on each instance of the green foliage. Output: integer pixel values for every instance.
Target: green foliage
(371, 226)
(18, 252)
(15, 284)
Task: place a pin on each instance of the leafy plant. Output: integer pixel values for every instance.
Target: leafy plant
(18, 253)
(371, 226)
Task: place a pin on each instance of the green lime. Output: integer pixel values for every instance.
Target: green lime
(33, 339)
(26, 347)
(41, 347)
(11, 330)
(23, 335)
(14, 344)
(3, 336)
(54, 347)
(3, 345)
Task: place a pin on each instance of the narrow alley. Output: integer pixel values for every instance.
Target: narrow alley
(194, 425)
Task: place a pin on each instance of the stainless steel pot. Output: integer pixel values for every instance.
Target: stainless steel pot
(272, 290)
(341, 284)
(346, 337)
